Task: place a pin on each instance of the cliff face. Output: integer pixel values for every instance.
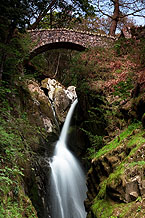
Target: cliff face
(115, 138)
(110, 138)
(116, 179)
(30, 120)
(46, 105)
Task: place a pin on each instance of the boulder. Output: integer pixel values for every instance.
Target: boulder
(60, 97)
(40, 106)
(121, 186)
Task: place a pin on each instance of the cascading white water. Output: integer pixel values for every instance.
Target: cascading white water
(68, 188)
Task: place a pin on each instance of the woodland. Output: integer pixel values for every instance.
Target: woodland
(110, 118)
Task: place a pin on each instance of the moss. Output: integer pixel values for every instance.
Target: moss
(119, 140)
(115, 176)
(102, 192)
(108, 209)
(104, 207)
(136, 139)
(138, 164)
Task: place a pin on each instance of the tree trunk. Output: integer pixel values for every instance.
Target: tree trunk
(115, 18)
(51, 18)
(41, 15)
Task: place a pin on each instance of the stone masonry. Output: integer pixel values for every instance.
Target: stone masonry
(47, 39)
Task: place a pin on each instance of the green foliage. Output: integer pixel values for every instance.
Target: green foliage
(141, 52)
(94, 126)
(13, 54)
(139, 209)
(55, 19)
(123, 46)
(68, 15)
(117, 47)
(135, 49)
(56, 64)
(107, 209)
(102, 207)
(96, 142)
(86, 68)
(139, 199)
(122, 89)
(12, 209)
(136, 139)
(15, 156)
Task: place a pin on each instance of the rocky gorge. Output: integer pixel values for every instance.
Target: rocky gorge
(115, 180)
(107, 134)
(50, 102)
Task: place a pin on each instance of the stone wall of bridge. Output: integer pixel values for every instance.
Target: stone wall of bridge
(44, 39)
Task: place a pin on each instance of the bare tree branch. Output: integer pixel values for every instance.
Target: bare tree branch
(108, 15)
(117, 10)
(133, 13)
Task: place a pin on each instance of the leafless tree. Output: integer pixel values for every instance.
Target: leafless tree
(117, 10)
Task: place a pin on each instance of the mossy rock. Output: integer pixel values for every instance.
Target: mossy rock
(118, 192)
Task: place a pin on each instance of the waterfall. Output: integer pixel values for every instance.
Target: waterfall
(54, 114)
(68, 188)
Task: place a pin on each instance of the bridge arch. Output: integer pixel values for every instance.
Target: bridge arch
(47, 39)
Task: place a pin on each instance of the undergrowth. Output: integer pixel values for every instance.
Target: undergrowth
(15, 156)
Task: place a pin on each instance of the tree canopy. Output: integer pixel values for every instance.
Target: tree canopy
(27, 14)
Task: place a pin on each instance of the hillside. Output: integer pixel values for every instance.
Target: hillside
(115, 124)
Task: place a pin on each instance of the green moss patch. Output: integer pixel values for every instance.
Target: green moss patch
(119, 140)
(131, 138)
(108, 209)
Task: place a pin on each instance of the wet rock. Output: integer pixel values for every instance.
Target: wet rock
(42, 172)
(51, 85)
(140, 106)
(126, 109)
(40, 106)
(59, 96)
(132, 190)
(133, 195)
(61, 103)
(71, 92)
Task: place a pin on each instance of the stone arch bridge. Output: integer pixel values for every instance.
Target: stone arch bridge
(47, 39)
